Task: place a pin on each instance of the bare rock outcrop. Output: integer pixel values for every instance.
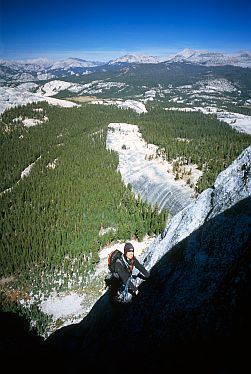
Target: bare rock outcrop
(193, 312)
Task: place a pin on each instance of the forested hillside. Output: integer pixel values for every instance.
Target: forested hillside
(51, 218)
(60, 187)
(195, 138)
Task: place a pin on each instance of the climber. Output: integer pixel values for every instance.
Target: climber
(123, 289)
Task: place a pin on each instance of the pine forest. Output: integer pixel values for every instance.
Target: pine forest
(60, 186)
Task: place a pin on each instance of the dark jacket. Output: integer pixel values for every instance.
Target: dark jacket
(123, 269)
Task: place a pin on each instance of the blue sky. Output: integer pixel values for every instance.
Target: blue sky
(102, 30)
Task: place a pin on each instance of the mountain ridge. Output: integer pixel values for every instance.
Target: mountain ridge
(187, 54)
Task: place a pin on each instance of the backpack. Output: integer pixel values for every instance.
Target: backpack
(112, 258)
(112, 279)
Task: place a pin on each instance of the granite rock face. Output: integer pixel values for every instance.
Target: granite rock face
(148, 178)
(193, 312)
(231, 186)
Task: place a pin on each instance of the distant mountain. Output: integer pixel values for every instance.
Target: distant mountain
(187, 55)
(137, 58)
(26, 65)
(44, 64)
(13, 72)
(202, 57)
(42, 69)
(75, 63)
(242, 59)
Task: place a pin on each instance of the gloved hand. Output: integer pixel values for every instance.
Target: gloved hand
(136, 292)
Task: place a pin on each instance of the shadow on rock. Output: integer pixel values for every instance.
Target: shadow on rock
(192, 313)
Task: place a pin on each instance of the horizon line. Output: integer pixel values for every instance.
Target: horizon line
(94, 55)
